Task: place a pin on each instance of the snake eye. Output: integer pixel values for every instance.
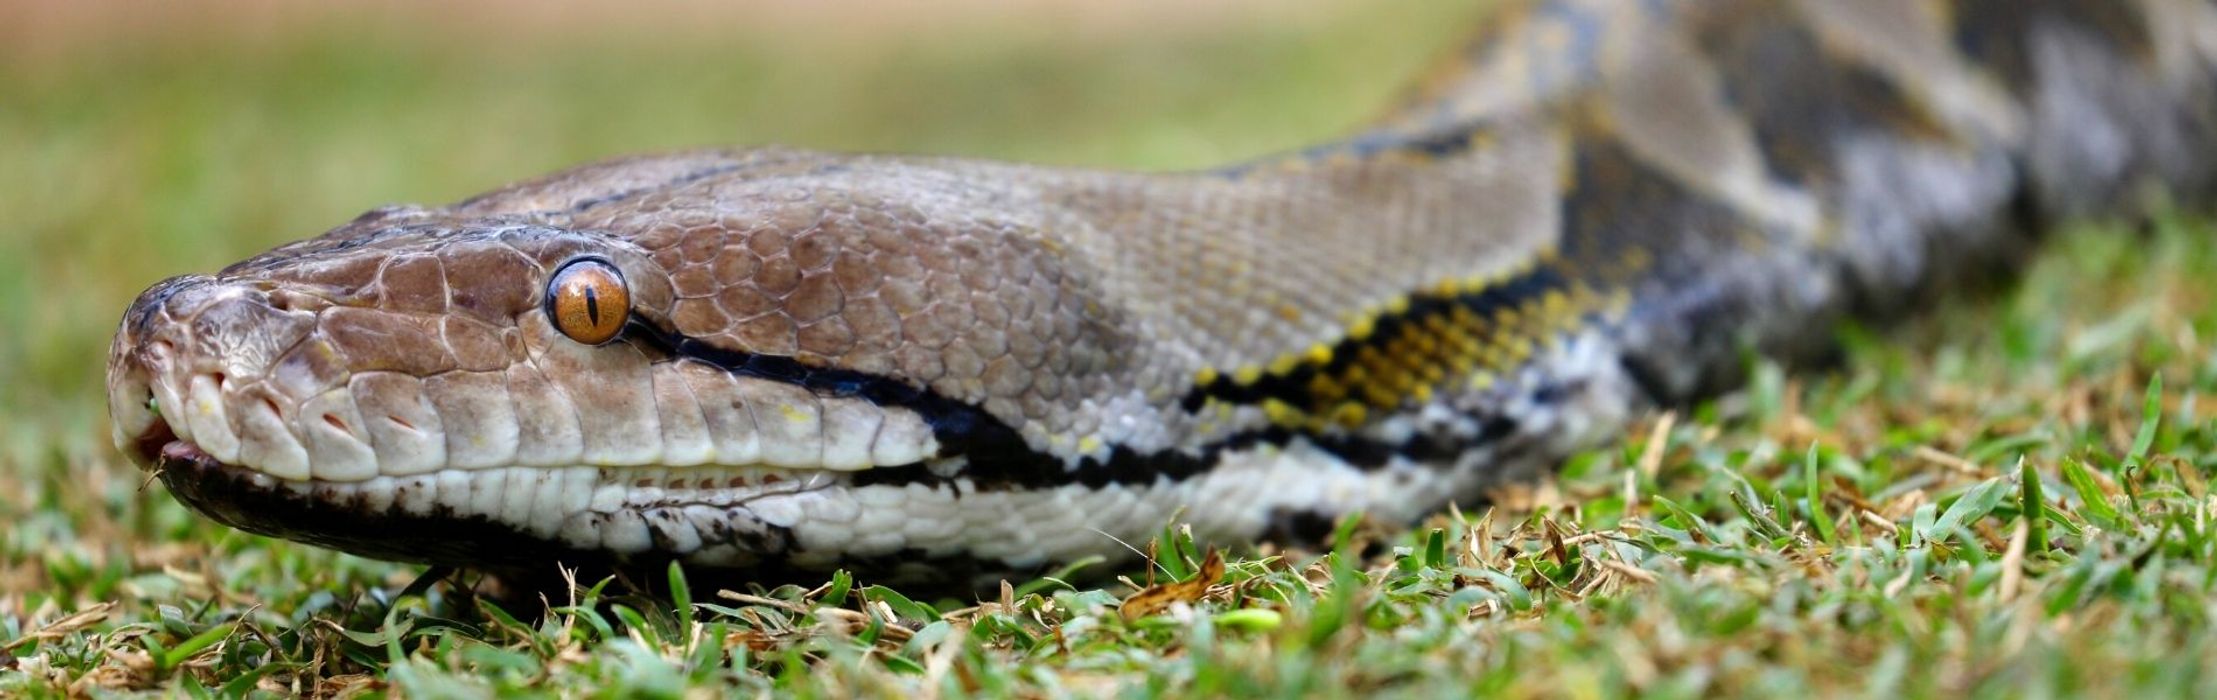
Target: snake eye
(588, 301)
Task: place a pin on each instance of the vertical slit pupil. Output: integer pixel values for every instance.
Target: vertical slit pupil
(592, 306)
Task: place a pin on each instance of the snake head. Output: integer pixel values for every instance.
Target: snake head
(346, 356)
(407, 385)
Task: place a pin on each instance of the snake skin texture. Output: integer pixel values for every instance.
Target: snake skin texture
(941, 369)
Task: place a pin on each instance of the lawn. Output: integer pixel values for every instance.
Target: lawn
(2004, 498)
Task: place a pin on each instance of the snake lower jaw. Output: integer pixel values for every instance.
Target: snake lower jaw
(507, 518)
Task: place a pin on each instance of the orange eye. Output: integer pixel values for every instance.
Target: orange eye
(588, 302)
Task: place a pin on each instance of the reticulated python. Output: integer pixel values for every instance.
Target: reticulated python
(775, 361)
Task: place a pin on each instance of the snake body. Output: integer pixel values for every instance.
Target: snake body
(926, 368)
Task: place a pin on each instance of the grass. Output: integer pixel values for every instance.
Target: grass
(2004, 498)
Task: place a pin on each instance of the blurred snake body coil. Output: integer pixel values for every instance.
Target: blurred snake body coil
(778, 362)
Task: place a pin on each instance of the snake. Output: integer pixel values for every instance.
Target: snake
(775, 362)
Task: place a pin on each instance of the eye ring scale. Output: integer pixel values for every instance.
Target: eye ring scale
(588, 300)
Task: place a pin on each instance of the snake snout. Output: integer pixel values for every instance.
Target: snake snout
(191, 367)
(137, 358)
(131, 417)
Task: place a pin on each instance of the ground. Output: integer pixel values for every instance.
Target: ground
(2005, 497)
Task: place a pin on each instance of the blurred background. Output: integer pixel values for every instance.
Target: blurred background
(140, 140)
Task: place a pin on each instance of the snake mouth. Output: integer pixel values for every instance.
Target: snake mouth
(158, 445)
(501, 519)
(180, 452)
(248, 500)
(193, 476)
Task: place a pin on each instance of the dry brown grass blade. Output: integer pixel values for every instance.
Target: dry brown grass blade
(1658, 444)
(1944, 459)
(786, 605)
(1155, 599)
(69, 623)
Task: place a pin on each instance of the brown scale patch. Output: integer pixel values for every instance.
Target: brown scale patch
(815, 298)
(699, 244)
(769, 334)
(840, 274)
(475, 345)
(778, 277)
(414, 284)
(734, 263)
(1801, 99)
(1625, 220)
(375, 340)
(829, 336)
(483, 281)
(694, 281)
(873, 323)
(1997, 34)
(309, 368)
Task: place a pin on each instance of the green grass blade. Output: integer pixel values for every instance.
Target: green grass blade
(1813, 497)
(2032, 506)
(2093, 502)
(2151, 416)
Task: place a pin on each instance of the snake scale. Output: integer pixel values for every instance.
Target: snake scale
(776, 362)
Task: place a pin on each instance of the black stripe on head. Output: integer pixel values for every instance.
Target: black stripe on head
(997, 457)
